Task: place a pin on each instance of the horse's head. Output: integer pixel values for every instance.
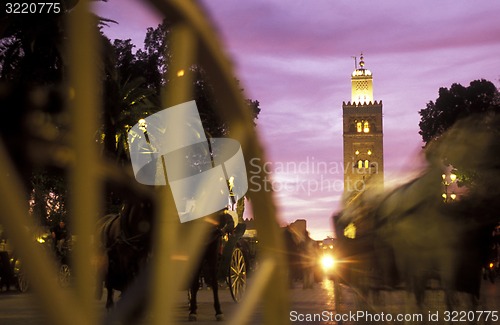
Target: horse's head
(137, 219)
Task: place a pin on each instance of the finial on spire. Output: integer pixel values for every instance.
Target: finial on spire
(361, 61)
(355, 62)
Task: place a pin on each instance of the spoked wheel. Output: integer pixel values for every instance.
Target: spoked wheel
(64, 276)
(237, 274)
(22, 282)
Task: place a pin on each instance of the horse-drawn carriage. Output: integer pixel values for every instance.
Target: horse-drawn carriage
(63, 259)
(11, 273)
(413, 238)
(11, 267)
(226, 254)
(235, 261)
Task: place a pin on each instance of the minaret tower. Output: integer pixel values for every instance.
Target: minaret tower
(363, 134)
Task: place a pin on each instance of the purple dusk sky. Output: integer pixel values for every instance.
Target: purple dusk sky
(295, 58)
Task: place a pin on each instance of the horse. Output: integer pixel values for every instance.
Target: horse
(420, 235)
(125, 245)
(410, 235)
(125, 240)
(432, 239)
(223, 223)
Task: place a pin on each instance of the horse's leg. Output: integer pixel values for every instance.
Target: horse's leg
(98, 288)
(193, 291)
(419, 284)
(215, 289)
(101, 267)
(109, 288)
(109, 300)
(212, 255)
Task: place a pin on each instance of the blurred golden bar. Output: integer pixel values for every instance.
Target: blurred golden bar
(194, 41)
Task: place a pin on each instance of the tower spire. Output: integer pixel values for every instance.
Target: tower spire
(362, 88)
(363, 134)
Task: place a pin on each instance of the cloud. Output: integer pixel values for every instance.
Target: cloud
(133, 17)
(295, 58)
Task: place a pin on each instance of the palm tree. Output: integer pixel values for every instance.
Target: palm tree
(134, 101)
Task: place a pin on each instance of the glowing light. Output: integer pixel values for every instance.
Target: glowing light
(180, 73)
(350, 231)
(361, 72)
(366, 127)
(143, 125)
(327, 262)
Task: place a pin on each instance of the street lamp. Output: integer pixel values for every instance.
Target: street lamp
(143, 126)
(452, 178)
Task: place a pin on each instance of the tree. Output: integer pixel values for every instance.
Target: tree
(31, 72)
(154, 57)
(32, 62)
(152, 62)
(481, 97)
(32, 75)
(127, 97)
(48, 196)
(461, 129)
(32, 45)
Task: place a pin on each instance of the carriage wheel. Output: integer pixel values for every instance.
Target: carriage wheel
(22, 282)
(64, 276)
(237, 274)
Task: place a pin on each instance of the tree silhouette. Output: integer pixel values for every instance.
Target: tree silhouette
(481, 97)
(32, 93)
(461, 129)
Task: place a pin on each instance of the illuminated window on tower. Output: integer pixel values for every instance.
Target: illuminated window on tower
(359, 127)
(362, 126)
(366, 127)
(363, 164)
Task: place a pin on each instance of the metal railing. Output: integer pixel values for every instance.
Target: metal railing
(193, 40)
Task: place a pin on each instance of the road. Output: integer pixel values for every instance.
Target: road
(23, 309)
